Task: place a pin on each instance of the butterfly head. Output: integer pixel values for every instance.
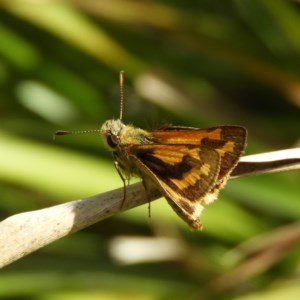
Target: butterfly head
(110, 131)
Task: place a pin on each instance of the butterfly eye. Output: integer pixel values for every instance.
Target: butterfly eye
(112, 140)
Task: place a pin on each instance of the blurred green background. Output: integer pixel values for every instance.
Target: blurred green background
(193, 63)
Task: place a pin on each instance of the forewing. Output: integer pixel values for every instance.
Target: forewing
(228, 141)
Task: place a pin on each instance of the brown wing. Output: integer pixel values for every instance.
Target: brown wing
(190, 165)
(228, 141)
(185, 174)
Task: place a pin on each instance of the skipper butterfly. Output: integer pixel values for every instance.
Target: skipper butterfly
(188, 165)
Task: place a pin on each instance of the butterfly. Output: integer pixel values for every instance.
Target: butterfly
(188, 165)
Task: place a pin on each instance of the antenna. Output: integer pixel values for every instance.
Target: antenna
(66, 132)
(121, 93)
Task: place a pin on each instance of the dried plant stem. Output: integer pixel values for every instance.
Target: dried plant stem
(24, 233)
(270, 162)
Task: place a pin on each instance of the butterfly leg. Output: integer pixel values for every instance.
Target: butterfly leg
(147, 190)
(151, 190)
(123, 180)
